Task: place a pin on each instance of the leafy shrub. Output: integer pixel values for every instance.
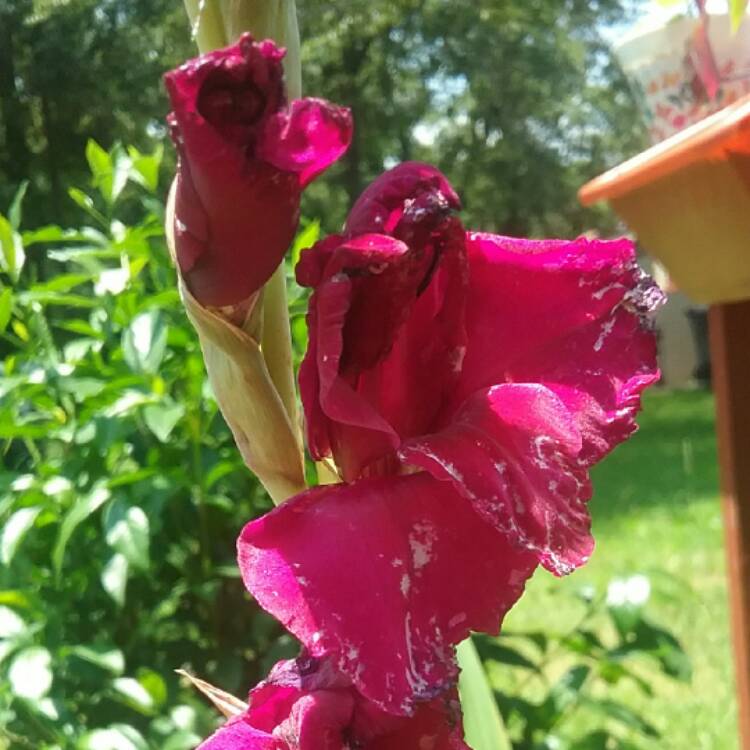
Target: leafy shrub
(121, 495)
(613, 642)
(121, 492)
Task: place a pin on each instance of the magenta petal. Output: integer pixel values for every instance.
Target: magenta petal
(368, 380)
(573, 316)
(513, 452)
(238, 734)
(306, 138)
(318, 721)
(384, 576)
(435, 726)
(381, 205)
(306, 704)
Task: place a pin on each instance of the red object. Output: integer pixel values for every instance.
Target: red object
(245, 156)
(384, 576)
(493, 372)
(305, 704)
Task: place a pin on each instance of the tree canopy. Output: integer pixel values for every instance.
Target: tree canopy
(519, 103)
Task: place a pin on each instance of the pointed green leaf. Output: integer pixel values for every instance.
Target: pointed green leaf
(115, 577)
(162, 418)
(82, 509)
(16, 205)
(145, 341)
(120, 173)
(14, 530)
(100, 164)
(30, 673)
(145, 167)
(12, 256)
(110, 659)
(127, 532)
(154, 684)
(86, 202)
(6, 307)
(483, 725)
(132, 693)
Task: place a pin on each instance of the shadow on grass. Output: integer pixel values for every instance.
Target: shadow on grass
(670, 461)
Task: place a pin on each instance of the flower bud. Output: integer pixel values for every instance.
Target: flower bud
(245, 156)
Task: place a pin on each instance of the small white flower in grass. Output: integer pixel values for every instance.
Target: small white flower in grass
(634, 591)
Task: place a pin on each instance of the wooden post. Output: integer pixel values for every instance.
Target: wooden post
(730, 358)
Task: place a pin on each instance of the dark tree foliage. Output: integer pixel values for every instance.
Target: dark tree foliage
(519, 103)
(77, 69)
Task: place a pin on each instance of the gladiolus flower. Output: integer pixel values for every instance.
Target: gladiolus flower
(464, 384)
(306, 705)
(245, 157)
(505, 366)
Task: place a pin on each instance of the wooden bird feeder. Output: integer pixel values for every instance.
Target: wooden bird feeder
(688, 201)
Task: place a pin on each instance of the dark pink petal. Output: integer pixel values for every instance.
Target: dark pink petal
(611, 362)
(235, 211)
(435, 726)
(306, 138)
(384, 576)
(231, 231)
(306, 704)
(386, 336)
(382, 204)
(512, 450)
(318, 721)
(238, 734)
(573, 316)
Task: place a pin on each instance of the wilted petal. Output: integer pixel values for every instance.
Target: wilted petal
(382, 204)
(307, 704)
(513, 452)
(384, 576)
(306, 138)
(573, 316)
(386, 335)
(436, 725)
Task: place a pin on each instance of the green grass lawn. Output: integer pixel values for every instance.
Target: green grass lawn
(656, 511)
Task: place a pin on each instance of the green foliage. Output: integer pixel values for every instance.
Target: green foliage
(483, 725)
(737, 10)
(518, 103)
(75, 69)
(121, 491)
(564, 681)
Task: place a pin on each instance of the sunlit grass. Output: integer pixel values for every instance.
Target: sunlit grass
(656, 511)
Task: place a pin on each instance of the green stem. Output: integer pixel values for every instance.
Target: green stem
(216, 24)
(276, 345)
(207, 24)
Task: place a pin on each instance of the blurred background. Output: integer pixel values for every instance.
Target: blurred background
(121, 492)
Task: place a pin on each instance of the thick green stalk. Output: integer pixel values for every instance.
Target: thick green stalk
(206, 24)
(217, 23)
(276, 345)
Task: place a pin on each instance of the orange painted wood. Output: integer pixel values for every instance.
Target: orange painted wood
(688, 200)
(713, 139)
(730, 358)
